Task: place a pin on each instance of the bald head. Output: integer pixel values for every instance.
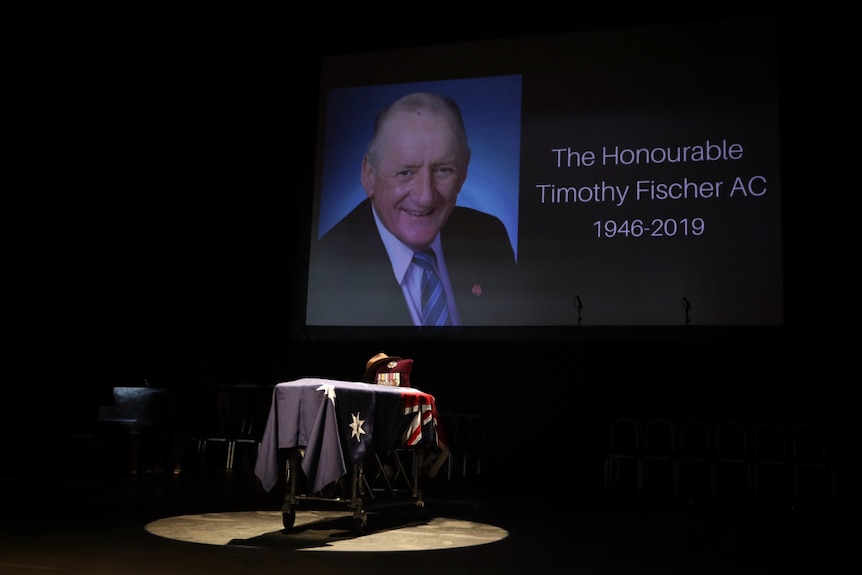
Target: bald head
(418, 104)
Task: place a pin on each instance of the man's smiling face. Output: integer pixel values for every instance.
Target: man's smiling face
(419, 167)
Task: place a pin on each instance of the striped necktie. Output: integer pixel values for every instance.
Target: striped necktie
(434, 307)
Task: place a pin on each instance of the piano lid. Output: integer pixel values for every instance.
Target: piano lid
(140, 406)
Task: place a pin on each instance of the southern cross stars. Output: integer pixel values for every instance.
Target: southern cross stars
(356, 426)
(329, 390)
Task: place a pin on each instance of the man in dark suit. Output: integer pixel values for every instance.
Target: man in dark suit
(363, 272)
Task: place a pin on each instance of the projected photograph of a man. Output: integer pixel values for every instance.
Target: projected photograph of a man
(408, 253)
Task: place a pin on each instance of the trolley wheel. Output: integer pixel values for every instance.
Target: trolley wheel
(360, 525)
(288, 518)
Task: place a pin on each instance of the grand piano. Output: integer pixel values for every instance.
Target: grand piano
(139, 410)
(181, 410)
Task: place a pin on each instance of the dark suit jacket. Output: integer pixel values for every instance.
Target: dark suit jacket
(351, 281)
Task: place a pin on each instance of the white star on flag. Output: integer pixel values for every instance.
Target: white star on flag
(356, 426)
(329, 390)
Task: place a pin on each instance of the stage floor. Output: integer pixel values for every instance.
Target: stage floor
(217, 522)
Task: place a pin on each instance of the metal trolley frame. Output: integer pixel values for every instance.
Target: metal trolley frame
(382, 480)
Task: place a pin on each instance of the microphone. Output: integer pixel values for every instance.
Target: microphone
(685, 303)
(578, 304)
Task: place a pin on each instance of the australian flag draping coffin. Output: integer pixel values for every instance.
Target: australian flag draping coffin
(341, 423)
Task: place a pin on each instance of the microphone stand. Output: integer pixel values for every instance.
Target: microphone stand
(579, 382)
(686, 306)
(579, 306)
(687, 352)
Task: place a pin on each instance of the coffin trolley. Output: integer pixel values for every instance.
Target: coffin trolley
(360, 444)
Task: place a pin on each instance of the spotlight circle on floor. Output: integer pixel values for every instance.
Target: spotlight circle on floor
(325, 531)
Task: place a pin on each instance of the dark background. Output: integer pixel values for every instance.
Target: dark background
(164, 148)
